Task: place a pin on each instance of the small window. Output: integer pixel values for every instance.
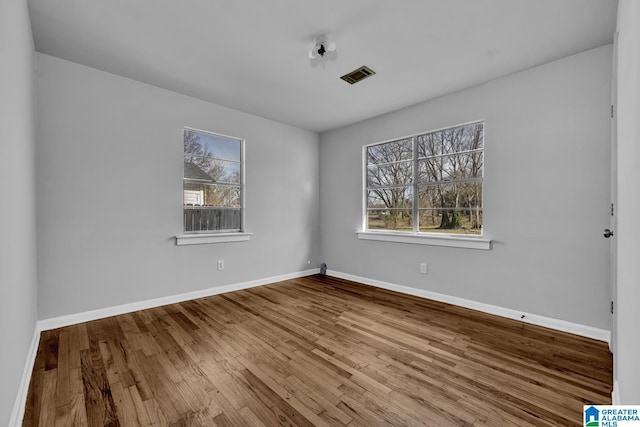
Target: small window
(212, 182)
(193, 197)
(427, 183)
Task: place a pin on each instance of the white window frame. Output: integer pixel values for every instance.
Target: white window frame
(478, 241)
(215, 236)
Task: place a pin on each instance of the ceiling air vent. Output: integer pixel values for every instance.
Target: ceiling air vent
(358, 75)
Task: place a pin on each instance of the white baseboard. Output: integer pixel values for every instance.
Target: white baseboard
(615, 394)
(534, 319)
(87, 316)
(21, 398)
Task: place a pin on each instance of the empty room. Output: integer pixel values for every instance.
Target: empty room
(285, 212)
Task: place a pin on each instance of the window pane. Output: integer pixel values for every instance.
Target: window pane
(211, 195)
(399, 198)
(222, 195)
(390, 152)
(451, 168)
(452, 140)
(217, 170)
(462, 221)
(218, 207)
(431, 144)
(456, 196)
(211, 145)
(396, 220)
(392, 174)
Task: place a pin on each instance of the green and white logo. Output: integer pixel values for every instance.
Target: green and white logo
(611, 415)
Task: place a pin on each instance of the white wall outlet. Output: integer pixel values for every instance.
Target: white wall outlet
(220, 264)
(424, 268)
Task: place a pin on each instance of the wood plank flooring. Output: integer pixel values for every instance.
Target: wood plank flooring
(314, 351)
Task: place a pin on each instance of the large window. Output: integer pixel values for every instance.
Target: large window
(212, 184)
(429, 183)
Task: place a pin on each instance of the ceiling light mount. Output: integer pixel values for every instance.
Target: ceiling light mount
(321, 45)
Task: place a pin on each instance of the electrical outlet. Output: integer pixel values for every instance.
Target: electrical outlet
(423, 268)
(220, 264)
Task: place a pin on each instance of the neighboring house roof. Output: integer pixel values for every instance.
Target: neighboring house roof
(193, 172)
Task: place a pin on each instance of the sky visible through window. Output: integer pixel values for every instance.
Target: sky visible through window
(221, 147)
(212, 184)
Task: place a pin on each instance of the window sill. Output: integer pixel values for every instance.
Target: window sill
(201, 239)
(423, 239)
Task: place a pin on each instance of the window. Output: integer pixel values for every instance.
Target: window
(193, 197)
(435, 177)
(212, 182)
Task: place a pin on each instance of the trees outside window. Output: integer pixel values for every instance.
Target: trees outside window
(430, 182)
(212, 182)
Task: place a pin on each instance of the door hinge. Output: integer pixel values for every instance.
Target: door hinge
(612, 111)
(611, 209)
(611, 307)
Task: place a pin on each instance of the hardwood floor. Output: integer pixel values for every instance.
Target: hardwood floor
(314, 351)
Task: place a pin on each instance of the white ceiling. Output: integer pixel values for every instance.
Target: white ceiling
(252, 55)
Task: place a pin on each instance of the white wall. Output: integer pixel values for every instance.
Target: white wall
(627, 372)
(546, 194)
(18, 281)
(109, 188)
